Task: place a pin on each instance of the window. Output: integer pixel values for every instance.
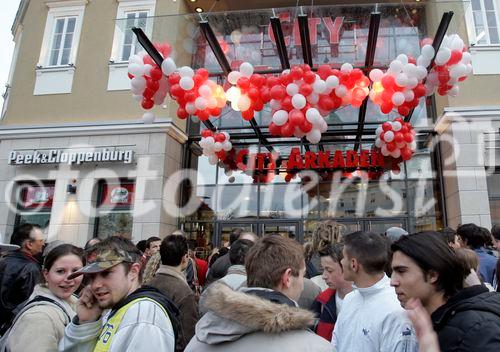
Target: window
(484, 13)
(34, 203)
(62, 41)
(62, 33)
(131, 13)
(114, 212)
(493, 181)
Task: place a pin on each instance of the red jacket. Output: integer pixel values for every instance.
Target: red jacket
(201, 269)
(325, 308)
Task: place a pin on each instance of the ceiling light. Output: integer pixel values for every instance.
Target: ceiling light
(193, 0)
(198, 9)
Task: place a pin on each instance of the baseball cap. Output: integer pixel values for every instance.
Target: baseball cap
(104, 260)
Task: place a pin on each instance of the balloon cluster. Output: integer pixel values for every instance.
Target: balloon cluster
(195, 93)
(249, 92)
(401, 86)
(396, 139)
(300, 98)
(215, 145)
(147, 83)
(452, 65)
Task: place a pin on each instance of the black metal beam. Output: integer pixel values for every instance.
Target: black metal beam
(215, 46)
(280, 42)
(305, 40)
(370, 57)
(143, 39)
(436, 44)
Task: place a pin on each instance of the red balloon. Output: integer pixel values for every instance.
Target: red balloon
(215, 111)
(306, 126)
(386, 107)
(156, 73)
(274, 129)
(130, 75)
(272, 81)
(265, 94)
(258, 105)
(408, 138)
(207, 133)
(253, 93)
(391, 146)
(388, 82)
(404, 110)
(277, 92)
(153, 85)
(324, 71)
(356, 102)
(198, 80)
(387, 126)
(419, 90)
(257, 80)
(147, 103)
(356, 74)
(148, 93)
(247, 114)
(202, 114)
(309, 77)
(286, 103)
(325, 102)
(406, 153)
(287, 130)
(404, 130)
(220, 137)
(305, 89)
(296, 72)
(148, 60)
(456, 56)
(203, 72)
(243, 83)
(398, 137)
(182, 113)
(174, 78)
(190, 96)
(443, 77)
(296, 117)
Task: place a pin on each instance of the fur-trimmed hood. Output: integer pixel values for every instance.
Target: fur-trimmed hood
(233, 314)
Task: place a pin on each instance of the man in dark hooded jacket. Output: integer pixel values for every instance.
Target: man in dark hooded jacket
(465, 319)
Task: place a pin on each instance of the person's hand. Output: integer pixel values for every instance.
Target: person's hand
(87, 309)
(472, 279)
(427, 337)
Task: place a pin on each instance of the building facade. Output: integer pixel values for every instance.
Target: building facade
(78, 160)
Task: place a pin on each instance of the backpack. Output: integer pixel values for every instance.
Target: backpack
(19, 311)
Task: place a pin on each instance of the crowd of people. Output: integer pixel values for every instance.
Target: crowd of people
(428, 291)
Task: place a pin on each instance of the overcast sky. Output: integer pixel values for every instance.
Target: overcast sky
(7, 15)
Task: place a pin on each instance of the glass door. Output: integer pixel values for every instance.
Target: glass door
(285, 229)
(225, 230)
(381, 225)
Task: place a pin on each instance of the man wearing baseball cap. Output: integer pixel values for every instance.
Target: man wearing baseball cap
(114, 312)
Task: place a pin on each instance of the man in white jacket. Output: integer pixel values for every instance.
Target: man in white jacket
(114, 313)
(371, 319)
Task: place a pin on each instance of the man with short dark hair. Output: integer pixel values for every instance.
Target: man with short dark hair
(19, 270)
(328, 303)
(465, 319)
(114, 313)
(495, 233)
(371, 318)
(171, 281)
(451, 237)
(152, 245)
(475, 238)
(264, 316)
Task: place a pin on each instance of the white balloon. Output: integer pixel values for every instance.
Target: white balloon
(211, 103)
(233, 94)
(428, 51)
(398, 98)
(298, 101)
(227, 146)
(458, 70)
(246, 69)
(148, 117)
(280, 117)
(314, 136)
(347, 67)
(401, 145)
(323, 126)
(396, 153)
(244, 102)
(313, 98)
(312, 115)
(412, 82)
(409, 95)
(402, 58)
(190, 108)
(442, 56)
(384, 150)
(469, 69)
(138, 97)
(388, 136)
(453, 92)
(205, 91)
(423, 61)
(376, 75)
(298, 133)
(186, 83)
(227, 135)
(396, 66)
(147, 69)
(200, 103)
(233, 77)
(402, 80)
(379, 130)
(275, 104)
(135, 59)
(292, 89)
(186, 71)
(138, 83)
(341, 91)
(332, 82)
(378, 143)
(413, 145)
(421, 72)
(213, 159)
(168, 66)
(456, 43)
(466, 58)
(136, 69)
(209, 141)
(217, 146)
(319, 86)
(410, 70)
(396, 125)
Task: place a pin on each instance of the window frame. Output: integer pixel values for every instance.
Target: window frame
(126, 7)
(58, 10)
(472, 24)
